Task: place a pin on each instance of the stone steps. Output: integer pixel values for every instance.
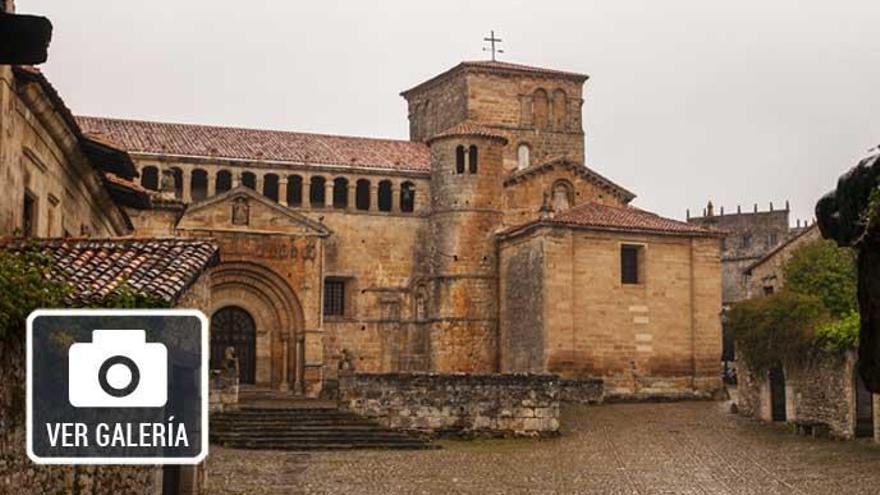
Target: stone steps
(303, 428)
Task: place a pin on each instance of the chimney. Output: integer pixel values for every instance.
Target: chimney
(771, 206)
(756, 207)
(688, 213)
(787, 206)
(722, 211)
(739, 209)
(710, 209)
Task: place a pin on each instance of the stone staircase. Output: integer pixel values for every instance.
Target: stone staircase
(271, 420)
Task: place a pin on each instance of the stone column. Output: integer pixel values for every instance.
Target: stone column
(306, 191)
(186, 187)
(282, 190)
(352, 190)
(236, 178)
(395, 197)
(298, 388)
(374, 196)
(328, 194)
(212, 185)
(258, 183)
(285, 362)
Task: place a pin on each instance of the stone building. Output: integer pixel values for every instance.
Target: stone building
(53, 175)
(482, 244)
(748, 236)
(766, 275)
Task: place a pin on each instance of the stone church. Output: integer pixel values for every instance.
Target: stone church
(482, 244)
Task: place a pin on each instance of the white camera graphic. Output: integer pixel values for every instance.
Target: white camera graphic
(118, 369)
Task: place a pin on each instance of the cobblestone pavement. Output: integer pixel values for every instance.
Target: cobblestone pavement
(679, 448)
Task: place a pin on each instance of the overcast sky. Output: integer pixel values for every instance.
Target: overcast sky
(743, 102)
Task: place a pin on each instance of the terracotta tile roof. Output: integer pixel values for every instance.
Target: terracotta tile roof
(258, 145)
(496, 67)
(624, 218)
(613, 218)
(160, 267)
(468, 128)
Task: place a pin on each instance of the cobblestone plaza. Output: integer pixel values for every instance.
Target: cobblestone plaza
(676, 448)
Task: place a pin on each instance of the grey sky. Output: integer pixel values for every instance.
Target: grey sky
(741, 102)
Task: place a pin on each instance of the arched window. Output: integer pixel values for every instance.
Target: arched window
(385, 195)
(362, 195)
(316, 192)
(539, 103)
(459, 159)
(270, 187)
(522, 156)
(472, 159)
(294, 190)
(407, 197)
(248, 179)
(178, 182)
(199, 184)
(150, 178)
(340, 192)
(224, 181)
(563, 195)
(560, 103)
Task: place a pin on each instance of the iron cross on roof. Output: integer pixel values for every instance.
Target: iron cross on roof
(492, 40)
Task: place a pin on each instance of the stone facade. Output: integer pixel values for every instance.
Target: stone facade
(766, 275)
(456, 404)
(391, 250)
(659, 337)
(51, 188)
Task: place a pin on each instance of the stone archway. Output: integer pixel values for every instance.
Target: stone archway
(277, 318)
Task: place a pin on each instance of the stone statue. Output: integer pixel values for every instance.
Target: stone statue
(230, 361)
(849, 216)
(240, 212)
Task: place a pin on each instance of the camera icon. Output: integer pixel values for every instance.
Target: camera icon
(118, 369)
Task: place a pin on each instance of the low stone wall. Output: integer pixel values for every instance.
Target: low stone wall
(585, 391)
(456, 404)
(18, 473)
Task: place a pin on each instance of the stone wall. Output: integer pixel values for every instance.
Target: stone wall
(456, 404)
(41, 158)
(585, 391)
(18, 472)
(768, 274)
(821, 390)
(658, 338)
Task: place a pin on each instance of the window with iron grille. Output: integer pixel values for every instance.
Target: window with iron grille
(629, 264)
(334, 297)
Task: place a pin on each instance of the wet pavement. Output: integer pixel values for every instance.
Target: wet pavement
(677, 448)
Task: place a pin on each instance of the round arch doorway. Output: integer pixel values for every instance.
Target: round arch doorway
(232, 326)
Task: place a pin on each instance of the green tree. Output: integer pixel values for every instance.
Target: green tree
(776, 329)
(823, 269)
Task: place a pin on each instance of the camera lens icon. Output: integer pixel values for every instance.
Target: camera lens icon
(119, 368)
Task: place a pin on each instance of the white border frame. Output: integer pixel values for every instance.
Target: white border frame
(118, 460)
